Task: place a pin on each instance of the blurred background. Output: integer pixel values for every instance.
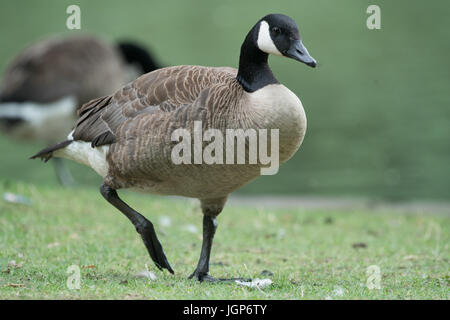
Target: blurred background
(378, 105)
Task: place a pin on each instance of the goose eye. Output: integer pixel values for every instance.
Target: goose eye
(276, 31)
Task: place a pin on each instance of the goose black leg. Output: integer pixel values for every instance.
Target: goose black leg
(63, 174)
(143, 226)
(209, 230)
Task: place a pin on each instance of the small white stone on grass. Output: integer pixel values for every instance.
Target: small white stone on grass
(146, 274)
(281, 233)
(255, 283)
(190, 228)
(15, 198)
(165, 221)
(53, 244)
(338, 291)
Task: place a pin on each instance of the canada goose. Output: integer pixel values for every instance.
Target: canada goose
(126, 137)
(44, 84)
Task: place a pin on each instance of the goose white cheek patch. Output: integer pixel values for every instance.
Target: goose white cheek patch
(265, 42)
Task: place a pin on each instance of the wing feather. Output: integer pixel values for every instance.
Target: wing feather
(161, 91)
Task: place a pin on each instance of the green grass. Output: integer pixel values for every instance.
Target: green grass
(310, 253)
(378, 115)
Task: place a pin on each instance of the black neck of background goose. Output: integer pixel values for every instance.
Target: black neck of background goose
(136, 54)
(254, 72)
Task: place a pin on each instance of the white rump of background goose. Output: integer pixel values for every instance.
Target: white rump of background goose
(46, 82)
(126, 136)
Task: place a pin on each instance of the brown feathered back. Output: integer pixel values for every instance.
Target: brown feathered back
(160, 91)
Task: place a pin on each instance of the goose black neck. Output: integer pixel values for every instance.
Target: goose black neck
(254, 72)
(136, 54)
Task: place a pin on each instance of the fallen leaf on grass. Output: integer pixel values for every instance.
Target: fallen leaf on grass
(266, 273)
(295, 282)
(328, 220)
(359, 245)
(14, 264)
(74, 236)
(90, 266)
(53, 244)
(255, 250)
(410, 257)
(15, 285)
(219, 263)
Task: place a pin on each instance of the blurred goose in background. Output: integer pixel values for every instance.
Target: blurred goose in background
(126, 136)
(44, 84)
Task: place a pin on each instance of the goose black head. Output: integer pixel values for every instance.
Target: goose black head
(274, 34)
(278, 34)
